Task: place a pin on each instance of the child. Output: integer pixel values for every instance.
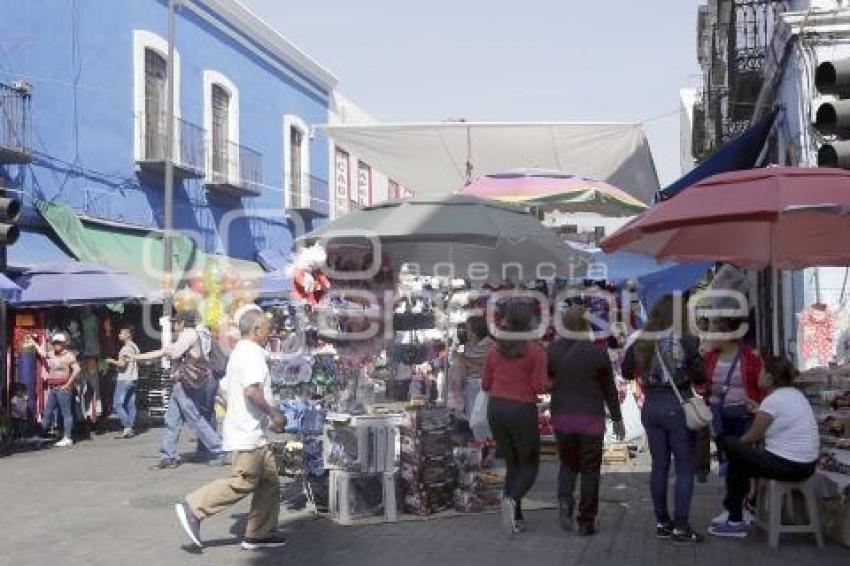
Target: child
(22, 424)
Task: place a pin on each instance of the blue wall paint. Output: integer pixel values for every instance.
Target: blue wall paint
(94, 66)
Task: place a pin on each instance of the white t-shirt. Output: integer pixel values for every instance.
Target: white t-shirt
(131, 370)
(793, 434)
(245, 426)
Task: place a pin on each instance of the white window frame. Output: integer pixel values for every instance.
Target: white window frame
(293, 121)
(215, 78)
(142, 40)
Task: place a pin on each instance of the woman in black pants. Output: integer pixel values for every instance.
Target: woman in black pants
(514, 375)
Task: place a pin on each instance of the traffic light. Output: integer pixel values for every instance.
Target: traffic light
(832, 79)
(10, 209)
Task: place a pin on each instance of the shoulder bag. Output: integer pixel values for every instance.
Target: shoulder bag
(698, 415)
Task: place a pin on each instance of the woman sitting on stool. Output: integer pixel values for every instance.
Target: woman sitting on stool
(786, 423)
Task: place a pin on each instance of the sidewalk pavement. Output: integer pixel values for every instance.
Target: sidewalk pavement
(99, 503)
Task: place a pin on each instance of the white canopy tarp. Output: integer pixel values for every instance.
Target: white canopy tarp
(432, 157)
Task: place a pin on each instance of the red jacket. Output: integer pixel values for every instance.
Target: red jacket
(751, 365)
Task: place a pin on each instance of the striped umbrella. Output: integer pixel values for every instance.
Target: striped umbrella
(555, 190)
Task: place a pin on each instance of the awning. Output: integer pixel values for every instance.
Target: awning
(740, 153)
(680, 277)
(138, 252)
(432, 158)
(274, 260)
(33, 249)
(245, 268)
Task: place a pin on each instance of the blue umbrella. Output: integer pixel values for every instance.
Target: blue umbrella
(77, 283)
(9, 292)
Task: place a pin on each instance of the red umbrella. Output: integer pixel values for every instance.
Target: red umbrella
(784, 217)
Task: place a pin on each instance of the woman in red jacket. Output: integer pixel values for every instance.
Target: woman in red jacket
(514, 374)
(733, 369)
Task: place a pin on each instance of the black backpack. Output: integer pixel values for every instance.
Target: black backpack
(218, 360)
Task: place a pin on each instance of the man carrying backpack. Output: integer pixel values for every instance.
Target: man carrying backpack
(191, 374)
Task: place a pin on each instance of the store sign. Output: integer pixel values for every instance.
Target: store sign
(364, 184)
(342, 183)
(394, 190)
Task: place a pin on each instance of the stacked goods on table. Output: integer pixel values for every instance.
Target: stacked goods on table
(428, 475)
(360, 454)
(479, 488)
(828, 390)
(153, 391)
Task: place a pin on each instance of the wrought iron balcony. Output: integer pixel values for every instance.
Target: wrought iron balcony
(307, 194)
(189, 147)
(235, 170)
(15, 124)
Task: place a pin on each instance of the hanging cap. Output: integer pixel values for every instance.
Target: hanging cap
(59, 337)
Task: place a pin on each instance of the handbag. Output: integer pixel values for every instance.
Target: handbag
(698, 415)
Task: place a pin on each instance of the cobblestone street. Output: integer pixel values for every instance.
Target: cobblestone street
(99, 503)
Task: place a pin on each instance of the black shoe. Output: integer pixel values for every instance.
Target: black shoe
(565, 515)
(190, 523)
(586, 529)
(271, 541)
(664, 530)
(702, 477)
(686, 535)
(166, 464)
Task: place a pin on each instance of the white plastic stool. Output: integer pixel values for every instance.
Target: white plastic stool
(772, 497)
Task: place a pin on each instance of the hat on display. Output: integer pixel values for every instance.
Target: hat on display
(58, 338)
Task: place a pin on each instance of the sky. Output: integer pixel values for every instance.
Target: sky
(504, 60)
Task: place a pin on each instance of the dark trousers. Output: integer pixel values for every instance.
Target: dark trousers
(702, 464)
(514, 426)
(669, 436)
(746, 462)
(580, 454)
(204, 398)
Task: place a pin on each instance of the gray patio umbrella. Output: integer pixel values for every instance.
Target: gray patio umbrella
(465, 232)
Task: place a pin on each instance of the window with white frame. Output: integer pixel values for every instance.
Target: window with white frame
(221, 121)
(150, 70)
(296, 149)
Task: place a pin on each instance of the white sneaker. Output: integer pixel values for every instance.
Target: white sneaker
(65, 442)
(723, 518)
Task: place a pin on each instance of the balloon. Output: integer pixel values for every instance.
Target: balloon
(198, 286)
(213, 313)
(185, 300)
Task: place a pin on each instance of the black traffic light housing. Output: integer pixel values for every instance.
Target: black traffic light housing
(10, 210)
(833, 117)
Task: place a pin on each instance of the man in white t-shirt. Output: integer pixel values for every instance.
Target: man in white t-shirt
(786, 424)
(124, 399)
(249, 417)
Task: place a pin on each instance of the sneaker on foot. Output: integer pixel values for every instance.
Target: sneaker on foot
(730, 529)
(271, 541)
(190, 523)
(128, 433)
(664, 530)
(586, 529)
(565, 515)
(723, 518)
(65, 442)
(509, 515)
(686, 535)
(166, 464)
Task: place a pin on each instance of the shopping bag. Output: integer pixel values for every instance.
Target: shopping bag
(478, 419)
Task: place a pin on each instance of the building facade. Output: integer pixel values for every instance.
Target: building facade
(90, 78)
(355, 182)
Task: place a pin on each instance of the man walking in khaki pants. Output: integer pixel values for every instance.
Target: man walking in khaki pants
(247, 388)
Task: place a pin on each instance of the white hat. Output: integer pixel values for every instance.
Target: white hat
(59, 337)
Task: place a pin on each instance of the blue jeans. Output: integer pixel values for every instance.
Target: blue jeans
(668, 434)
(124, 402)
(182, 409)
(204, 399)
(61, 400)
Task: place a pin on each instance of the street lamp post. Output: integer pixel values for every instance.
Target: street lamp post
(168, 198)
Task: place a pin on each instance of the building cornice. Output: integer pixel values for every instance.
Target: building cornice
(252, 27)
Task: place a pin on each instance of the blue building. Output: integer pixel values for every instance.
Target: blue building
(83, 122)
